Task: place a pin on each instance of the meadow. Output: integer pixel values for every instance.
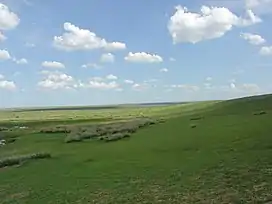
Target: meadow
(199, 152)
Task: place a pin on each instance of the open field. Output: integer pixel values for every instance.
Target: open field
(204, 152)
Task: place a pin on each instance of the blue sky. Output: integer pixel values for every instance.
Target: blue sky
(106, 52)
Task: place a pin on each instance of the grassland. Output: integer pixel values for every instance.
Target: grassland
(205, 152)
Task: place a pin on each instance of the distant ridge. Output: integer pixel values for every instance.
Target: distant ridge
(94, 107)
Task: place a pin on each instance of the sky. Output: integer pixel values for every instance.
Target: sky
(96, 52)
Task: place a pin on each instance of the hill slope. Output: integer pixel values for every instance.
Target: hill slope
(226, 158)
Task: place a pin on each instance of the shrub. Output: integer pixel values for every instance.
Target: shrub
(193, 125)
(10, 140)
(54, 130)
(3, 129)
(260, 113)
(72, 138)
(16, 160)
(116, 137)
(40, 155)
(197, 118)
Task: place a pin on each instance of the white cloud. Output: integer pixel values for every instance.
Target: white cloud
(139, 87)
(261, 6)
(8, 19)
(2, 37)
(232, 85)
(76, 38)
(253, 39)
(250, 19)
(210, 23)
(103, 85)
(53, 64)
(5, 84)
(4, 55)
(143, 57)
(9, 85)
(164, 70)
(266, 50)
(20, 61)
(57, 80)
(111, 77)
(107, 57)
(91, 65)
(186, 87)
(115, 46)
(252, 3)
(127, 81)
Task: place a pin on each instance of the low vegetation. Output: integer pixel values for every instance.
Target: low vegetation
(260, 113)
(54, 130)
(18, 160)
(206, 152)
(110, 131)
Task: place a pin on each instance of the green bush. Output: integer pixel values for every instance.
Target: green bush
(54, 130)
(3, 129)
(108, 132)
(260, 113)
(197, 118)
(116, 137)
(193, 125)
(72, 138)
(16, 160)
(10, 140)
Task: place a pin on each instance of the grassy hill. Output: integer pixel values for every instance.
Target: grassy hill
(219, 153)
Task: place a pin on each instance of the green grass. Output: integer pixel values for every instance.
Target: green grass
(226, 158)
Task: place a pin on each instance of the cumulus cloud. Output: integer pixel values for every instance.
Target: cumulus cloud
(115, 46)
(20, 61)
(260, 6)
(143, 57)
(186, 87)
(53, 64)
(91, 65)
(232, 85)
(210, 23)
(253, 39)
(164, 70)
(140, 87)
(75, 38)
(103, 85)
(56, 80)
(9, 85)
(6, 84)
(8, 19)
(127, 81)
(266, 50)
(107, 58)
(111, 77)
(4, 55)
